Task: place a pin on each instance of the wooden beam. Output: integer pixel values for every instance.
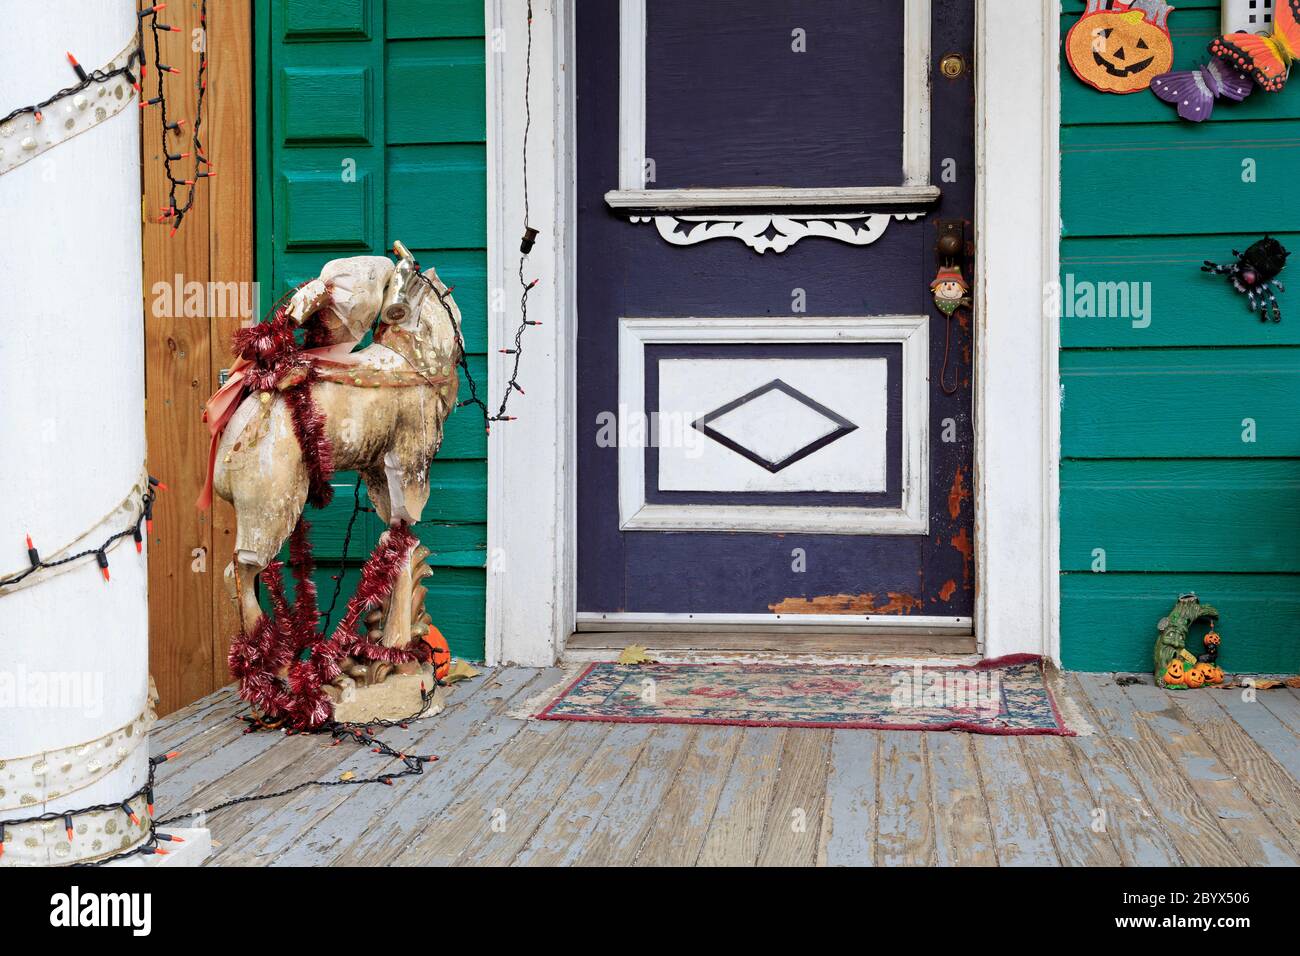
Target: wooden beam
(186, 345)
(230, 230)
(176, 379)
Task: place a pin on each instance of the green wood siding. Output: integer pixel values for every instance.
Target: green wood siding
(396, 88)
(1154, 470)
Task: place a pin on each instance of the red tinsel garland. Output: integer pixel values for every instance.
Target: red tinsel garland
(283, 662)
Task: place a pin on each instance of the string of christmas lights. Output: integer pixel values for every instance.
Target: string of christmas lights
(364, 734)
(412, 764)
(525, 247)
(148, 846)
(85, 79)
(172, 212)
(101, 553)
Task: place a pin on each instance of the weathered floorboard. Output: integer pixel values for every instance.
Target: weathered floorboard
(793, 833)
(1020, 833)
(302, 825)
(1271, 788)
(1201, 841)
(848, 835)
(905, 822)
(677, 827)
(1135, 827)
(389, 833)
(1071, 808)
(1258, 842)
(963, 834)
(735, 836)
(618, 834)
(564, 833)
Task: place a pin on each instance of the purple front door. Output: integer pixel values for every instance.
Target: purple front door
(762, 425)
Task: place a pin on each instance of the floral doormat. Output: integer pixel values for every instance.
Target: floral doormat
(1006, 695)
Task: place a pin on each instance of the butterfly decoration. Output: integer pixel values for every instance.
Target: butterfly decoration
(1265, 57)
(1194, 91)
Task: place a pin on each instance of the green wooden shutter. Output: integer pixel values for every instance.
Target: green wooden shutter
(371, 128)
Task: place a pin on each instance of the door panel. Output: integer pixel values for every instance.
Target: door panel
(800, 456)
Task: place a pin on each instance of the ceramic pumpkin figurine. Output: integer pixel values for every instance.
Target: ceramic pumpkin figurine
(1213, 673)
(1171, 635)
(1194, 677)
(441, 652)
(1174, 674)
(1121, 47)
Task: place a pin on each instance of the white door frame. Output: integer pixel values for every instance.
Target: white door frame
(532, 475)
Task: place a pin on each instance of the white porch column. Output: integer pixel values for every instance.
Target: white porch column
(72, 427)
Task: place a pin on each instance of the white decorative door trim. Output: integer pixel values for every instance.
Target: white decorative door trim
(775, 231)
(911, 516)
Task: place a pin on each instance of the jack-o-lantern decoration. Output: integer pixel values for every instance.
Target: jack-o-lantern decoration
(1213, 673)
(1174, 673)
(1194, 676)
(1120, 47)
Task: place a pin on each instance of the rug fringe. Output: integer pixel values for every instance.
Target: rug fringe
(536, 703)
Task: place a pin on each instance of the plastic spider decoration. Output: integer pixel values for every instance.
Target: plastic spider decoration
(1254, 274)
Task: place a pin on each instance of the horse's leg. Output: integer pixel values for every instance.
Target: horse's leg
(412, 496)
(377, 492)
(268, 503)
(241, 577)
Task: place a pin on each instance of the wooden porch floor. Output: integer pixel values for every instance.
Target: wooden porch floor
(1198, 778)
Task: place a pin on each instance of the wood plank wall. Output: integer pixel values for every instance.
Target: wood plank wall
(1155, 473)
(190, 619)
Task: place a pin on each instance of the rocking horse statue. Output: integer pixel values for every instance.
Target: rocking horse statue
(285, 420)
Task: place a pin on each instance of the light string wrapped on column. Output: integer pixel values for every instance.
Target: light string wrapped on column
(144, 517)
(99, 95)
(134, 69)
(155, 840)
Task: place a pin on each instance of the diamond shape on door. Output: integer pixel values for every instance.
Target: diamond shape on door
(744, 425)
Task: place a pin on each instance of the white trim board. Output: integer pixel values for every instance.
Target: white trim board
(771, 198)
(531, 468)
(911, 517)
(634, 192)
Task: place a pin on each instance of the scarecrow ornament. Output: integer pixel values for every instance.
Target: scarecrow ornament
(951, 292)
(1176, 666)
(1254, 275)
(1121, 47)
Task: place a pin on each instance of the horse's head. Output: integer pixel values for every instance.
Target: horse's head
(406, 289)
(420, 305)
